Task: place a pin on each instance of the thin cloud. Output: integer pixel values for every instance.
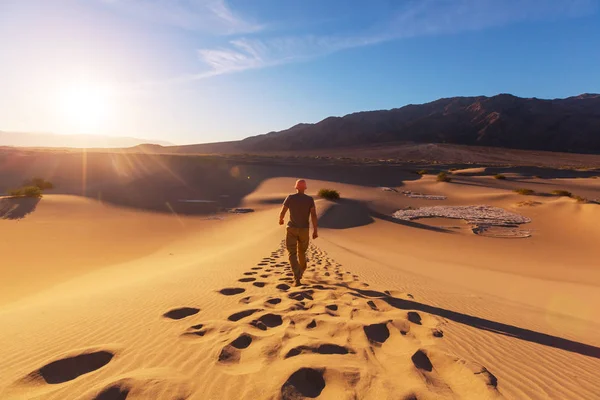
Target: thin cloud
(243, 54)
(211, 16)
(415, 18)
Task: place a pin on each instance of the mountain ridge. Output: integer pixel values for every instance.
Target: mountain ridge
(571, 124)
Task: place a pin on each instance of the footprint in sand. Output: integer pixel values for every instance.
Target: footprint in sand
(304, 294)
(68, 368)
(306, 382)
(246, 279)
(114, 392)
(326, 348)
(377, 333)
(267, 321)
(231, 352)
(197, 330)
(242, 342)
(421, 361)
(273, 301)
(142, 384)
(242, 314)
(180, 313)
(414, 317)
(231, 291)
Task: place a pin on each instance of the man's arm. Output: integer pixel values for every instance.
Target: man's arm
(284, 209)
(313, 217)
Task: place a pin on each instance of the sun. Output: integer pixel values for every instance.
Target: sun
(85, 107)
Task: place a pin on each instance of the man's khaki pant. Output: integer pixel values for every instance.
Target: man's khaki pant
(296, 241)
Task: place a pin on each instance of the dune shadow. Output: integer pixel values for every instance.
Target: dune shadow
(458, 181)
(17, 207)
(344, 214)
(410, 224)
(482, 323)
(277, 200)
(545, 172)
(528, 181)
(183, 184)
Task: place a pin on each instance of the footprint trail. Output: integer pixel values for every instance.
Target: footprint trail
(333, 332)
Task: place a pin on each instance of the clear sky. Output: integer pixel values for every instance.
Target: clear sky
(193, 71)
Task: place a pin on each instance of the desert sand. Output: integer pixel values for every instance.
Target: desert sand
(102, 301)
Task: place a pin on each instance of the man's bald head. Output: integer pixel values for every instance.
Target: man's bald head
(300, 185)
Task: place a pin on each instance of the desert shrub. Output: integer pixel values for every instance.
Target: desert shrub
(27, 191)
(330, 194)
(32, 191)
(525, 192)
(422, 172)
(579, 199)
(561, 193)
(32, 188)
(453, 169)
(15, 192)
(499, 176)
(443, 177)
(40, 183)
(528, 203)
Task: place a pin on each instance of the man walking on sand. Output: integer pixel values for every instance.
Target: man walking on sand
(297, 231)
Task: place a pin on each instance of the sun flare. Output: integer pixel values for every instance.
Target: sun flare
(86, 107)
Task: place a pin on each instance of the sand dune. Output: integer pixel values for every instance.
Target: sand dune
(103, 302)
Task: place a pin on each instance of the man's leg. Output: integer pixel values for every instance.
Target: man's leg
(303, 236)
(291, 242)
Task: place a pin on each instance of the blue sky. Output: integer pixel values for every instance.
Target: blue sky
(192, 71)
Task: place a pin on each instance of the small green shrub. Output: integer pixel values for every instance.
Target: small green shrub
(525, 192)
(15, 192)
(329, 194)
(32, 188)
(40, 183)
(422, 172)
(561, 193)
(443, 177)
(528, 203)
(27, 191)
(579, 199)
(499, 176)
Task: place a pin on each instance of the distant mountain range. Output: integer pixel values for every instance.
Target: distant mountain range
(564, 125)
(28, 139)
(567, 125)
